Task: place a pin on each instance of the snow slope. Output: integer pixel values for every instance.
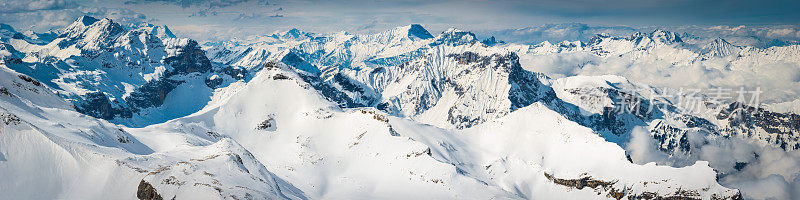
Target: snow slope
(317, 147)
(49, 151)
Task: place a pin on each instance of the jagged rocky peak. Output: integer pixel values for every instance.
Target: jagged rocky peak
(657, 37)
(412, 32)
(491, 41)
(167, 32)
(86, 20)
(92, 31)
(80, 24)
(292, 34)
(720, 47)
(598, 38)
(466, 87)
(189, 58)
(778, 129)
(570, 44)
(665, 37)
(543, 44)
(162, 31)
(455, 37)
(640, 40)
(721, 42)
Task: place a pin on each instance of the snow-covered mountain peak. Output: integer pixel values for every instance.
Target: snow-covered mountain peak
(85, 20)
(655, 38)
(292, 34)
(720, 48)
(94, 35)
(665, 37)
(79, 25)
(454, 37)
(491, 41)
(162, 31)
(398, 36)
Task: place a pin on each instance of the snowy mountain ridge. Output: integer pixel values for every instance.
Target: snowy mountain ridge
(388, 86)
(198, 157)
(120, 74)
(463, 84)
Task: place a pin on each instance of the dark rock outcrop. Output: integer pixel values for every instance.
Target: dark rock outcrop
(190, 59)
(783, 128)
(604, 186)
(146, 191)
(152, 94)
(97, 104)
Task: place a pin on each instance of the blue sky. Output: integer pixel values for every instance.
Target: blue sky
(222, 19)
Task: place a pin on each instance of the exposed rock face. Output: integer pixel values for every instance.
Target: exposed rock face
(152, 94)
(29, 80)
(268, 124)
(147, 192)
(9, 119)
(670, 127)
(779, 129)
(612, 190)
(491, 41)
(524, 88)
(96, 104)
(418, 31)
(5, 92)
(332, 93)
(188, 59)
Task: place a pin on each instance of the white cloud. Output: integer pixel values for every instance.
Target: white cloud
(642, 147)
(778, 79)
(763, 172)
(15, 6)
(45, 15)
